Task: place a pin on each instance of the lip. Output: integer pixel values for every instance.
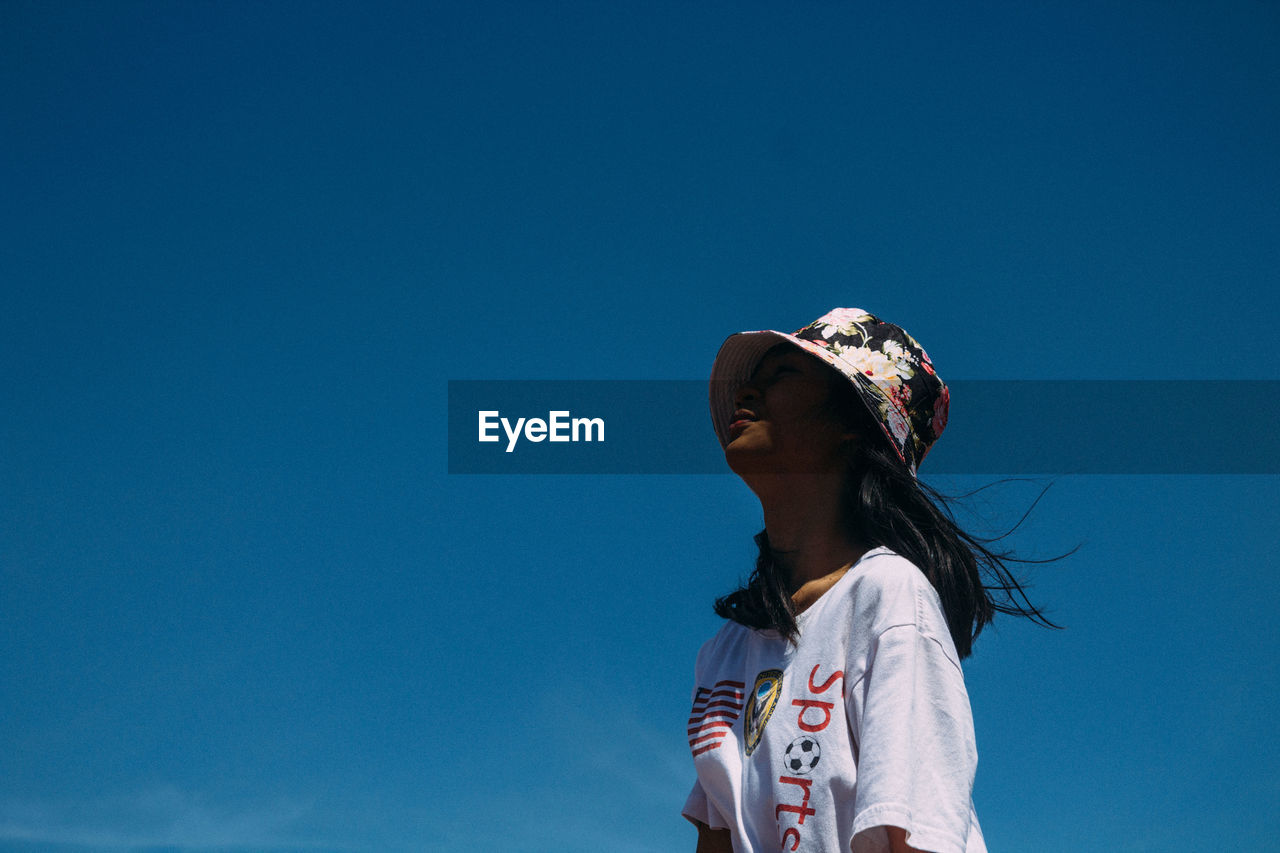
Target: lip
(741, 420)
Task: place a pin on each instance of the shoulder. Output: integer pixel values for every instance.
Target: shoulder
(887, 585)
(725, 643)
(890, 591)
(884, 571)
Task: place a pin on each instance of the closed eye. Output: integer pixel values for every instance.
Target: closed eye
(768, 373)
(769, 376)
(781, 370)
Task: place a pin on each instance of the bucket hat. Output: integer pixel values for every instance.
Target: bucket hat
(891, 372)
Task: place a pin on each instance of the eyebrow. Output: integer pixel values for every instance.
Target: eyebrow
(779, 358)
(772, 365)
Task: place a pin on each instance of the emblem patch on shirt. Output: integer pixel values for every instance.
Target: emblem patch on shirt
(764, 697)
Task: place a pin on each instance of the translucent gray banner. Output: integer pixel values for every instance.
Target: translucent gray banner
(996, 427)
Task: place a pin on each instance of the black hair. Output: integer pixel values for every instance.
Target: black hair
(884, 504)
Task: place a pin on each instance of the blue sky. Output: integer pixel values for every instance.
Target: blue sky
(245, 246)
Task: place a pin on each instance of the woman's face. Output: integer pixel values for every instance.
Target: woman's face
(783, 423)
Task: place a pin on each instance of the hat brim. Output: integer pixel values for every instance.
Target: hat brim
(737, 360)
(734, 364)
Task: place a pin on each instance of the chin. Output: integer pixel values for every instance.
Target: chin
(746, 460)
(739, 462)
(756, 462)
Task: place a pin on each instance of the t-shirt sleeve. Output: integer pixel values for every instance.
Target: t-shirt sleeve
(915, 745)
(698, 808)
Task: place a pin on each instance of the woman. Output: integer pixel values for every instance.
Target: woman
(830, 712)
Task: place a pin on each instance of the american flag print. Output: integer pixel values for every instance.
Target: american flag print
(714, 711)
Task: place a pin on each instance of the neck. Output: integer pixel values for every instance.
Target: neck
(807, 531)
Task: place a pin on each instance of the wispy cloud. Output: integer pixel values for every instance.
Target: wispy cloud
(161, 817)
(612, 781)
(650, 763)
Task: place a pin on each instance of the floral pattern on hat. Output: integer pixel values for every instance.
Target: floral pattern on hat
(893, 374)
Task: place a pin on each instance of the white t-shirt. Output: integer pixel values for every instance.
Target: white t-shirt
(863, 723)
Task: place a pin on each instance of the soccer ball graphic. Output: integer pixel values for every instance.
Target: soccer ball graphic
(802, 755)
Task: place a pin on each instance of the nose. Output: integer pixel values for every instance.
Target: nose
(745, 393)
